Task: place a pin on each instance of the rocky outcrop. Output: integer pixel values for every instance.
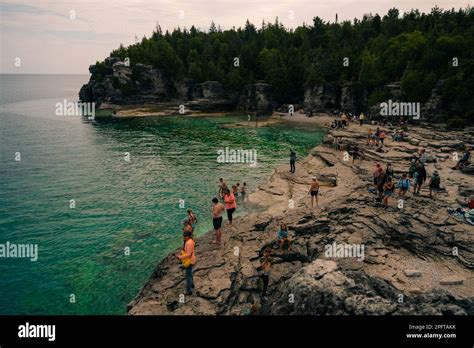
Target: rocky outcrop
(417, 259)
(116, 82)
(257, 99)
(324, 97)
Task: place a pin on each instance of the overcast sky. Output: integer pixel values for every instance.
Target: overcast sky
(49, 38)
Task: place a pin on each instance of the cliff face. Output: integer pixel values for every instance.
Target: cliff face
(113, 82)
(116, 83)
(417, 259)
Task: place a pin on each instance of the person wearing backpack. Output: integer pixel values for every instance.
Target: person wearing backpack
(188, 260)
(412, 169)
(403, 185)
(434, 183)
(419, 178)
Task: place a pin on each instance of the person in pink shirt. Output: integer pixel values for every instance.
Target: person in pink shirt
(230, 204)
(188, 253)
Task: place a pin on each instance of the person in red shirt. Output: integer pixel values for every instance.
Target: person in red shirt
(188, 253)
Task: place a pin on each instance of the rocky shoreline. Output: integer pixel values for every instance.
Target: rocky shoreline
(418, 259)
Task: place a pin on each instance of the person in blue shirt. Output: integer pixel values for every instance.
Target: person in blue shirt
(282, 236)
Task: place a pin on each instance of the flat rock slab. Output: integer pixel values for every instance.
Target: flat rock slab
(451, 280)
(271, 189)
(411, 273)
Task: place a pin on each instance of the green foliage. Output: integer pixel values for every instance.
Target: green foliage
(456, 123)
(415, 48)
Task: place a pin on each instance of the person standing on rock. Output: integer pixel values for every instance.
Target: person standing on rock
(188, 260)
(243, 191)
(388, 189)
(361, 118)
(230, 204)
(403, 185)
(217, 210)
(381, 180)
(419, 178)
(313, 191)
(412, 168)
(389, 169)
(222, 186)
(265, 267)
(434, 184)
(192, 218)
(422, 157)
(382, 137)
(376, 174)
(370, 136)
(292, 161)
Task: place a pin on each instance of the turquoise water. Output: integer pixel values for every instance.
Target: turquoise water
(119, 204)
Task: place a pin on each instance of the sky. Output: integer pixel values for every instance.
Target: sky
(66, 36)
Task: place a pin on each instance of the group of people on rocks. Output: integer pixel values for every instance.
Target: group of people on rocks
(228, 204)
(385, 186)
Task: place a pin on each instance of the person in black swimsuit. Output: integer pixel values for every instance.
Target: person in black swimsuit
(217, 210)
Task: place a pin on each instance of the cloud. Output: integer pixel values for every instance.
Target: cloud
(49, 41)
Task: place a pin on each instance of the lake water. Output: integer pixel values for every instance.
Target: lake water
(118, 203)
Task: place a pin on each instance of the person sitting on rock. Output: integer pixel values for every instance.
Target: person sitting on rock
(434, 183)
(380, 149)
(282, 236)
(396, 136)
(464, 161)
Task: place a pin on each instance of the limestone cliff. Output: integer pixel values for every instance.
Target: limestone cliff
(115, 82)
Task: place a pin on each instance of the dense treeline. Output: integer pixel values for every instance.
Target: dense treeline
(415, 48)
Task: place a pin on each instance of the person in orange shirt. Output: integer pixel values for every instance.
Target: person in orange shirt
(230, 204)
(188, 253)
(370, 136)
(382, 136)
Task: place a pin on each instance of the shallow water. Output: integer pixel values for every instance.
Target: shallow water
(119, 204)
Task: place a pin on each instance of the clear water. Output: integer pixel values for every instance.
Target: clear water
(119, 204)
